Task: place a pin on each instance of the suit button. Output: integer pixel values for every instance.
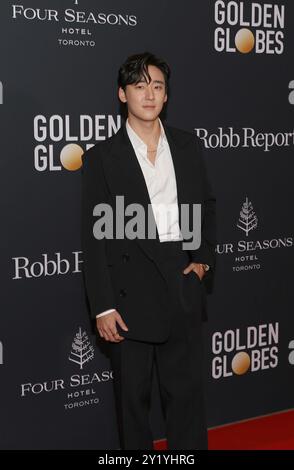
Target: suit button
(122, 293)
(125, 257)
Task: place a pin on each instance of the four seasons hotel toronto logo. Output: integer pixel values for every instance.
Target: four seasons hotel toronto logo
(76, 25)
(248, 253)
(79, 389)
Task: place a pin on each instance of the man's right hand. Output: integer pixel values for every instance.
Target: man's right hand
(106, 326)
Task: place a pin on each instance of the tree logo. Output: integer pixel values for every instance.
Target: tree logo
(248, 219)
(81, 349)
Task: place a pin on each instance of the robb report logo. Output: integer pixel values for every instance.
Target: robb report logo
(52, 153)
(246, 138)
(75, 24)
(53, 265)
(249, 26)
(253, 349)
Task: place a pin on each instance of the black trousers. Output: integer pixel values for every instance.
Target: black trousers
(178, 361)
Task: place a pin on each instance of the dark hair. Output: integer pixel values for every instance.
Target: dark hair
(136, 67)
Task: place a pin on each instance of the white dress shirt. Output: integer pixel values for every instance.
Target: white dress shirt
(161, 184)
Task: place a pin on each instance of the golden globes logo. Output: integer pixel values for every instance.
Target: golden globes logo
(239, 351)
(249, 26)
(57, 139)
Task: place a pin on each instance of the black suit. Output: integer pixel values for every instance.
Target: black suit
(132, 275)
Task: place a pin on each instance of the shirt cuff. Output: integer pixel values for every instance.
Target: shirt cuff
(105, 312)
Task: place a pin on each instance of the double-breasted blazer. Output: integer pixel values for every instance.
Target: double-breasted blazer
(127, 274)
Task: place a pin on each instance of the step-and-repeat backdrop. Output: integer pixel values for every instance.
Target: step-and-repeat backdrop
(233, 85)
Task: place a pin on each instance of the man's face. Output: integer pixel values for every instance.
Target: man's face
(145, 100)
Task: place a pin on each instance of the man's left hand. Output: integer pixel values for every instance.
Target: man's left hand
(197, 268)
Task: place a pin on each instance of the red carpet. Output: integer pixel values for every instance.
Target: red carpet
(275, 432)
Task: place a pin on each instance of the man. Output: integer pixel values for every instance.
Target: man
(147, 294)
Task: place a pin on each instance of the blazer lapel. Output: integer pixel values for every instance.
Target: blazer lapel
(186, 180)
(127, 179)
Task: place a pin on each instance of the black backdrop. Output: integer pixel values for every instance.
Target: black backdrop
(58, 95)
